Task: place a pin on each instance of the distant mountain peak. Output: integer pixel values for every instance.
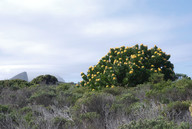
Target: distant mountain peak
(22, 76)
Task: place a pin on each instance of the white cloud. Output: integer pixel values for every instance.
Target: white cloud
(53, 7)
(128, 26)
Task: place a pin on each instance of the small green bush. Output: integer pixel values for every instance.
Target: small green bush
(127, 99)
(128, 66)
(178, 105)
(159, 123)
(4, 108)
(45, 79)
(43, 96)
(168, 91)
(176, 110)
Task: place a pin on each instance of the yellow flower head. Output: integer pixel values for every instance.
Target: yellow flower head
(125, 51)
(107, 86)
(152, 65)
(97, 72)
(97, 80)
(118, 53)
(131, 71)
(112, 86)
(114, 78)
(159, 69)
(155, 71)
(159, 49)
(93, 89)
(133, 56)
(142, 66)
(113, 74)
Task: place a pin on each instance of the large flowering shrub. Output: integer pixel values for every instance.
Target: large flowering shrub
(127, 66)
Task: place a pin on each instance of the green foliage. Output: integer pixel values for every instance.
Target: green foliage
(89, 116)
(63, 123)
(127, 98)
(156, 78)
(167, 91)
(25, 110)
(4, 108)
(63, 86)
(114, 91)
(45, 79)
(178, 105)
(14, 84)
(29, 118)
(128, 66)
(159, 123)
(43, 96)
(94, 102)
(70, 96)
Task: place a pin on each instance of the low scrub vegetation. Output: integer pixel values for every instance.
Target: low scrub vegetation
(155, 104)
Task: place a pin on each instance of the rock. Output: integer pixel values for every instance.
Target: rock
(22, 76)
(61, 80)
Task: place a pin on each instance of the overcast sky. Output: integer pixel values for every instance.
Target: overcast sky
(65, 37)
